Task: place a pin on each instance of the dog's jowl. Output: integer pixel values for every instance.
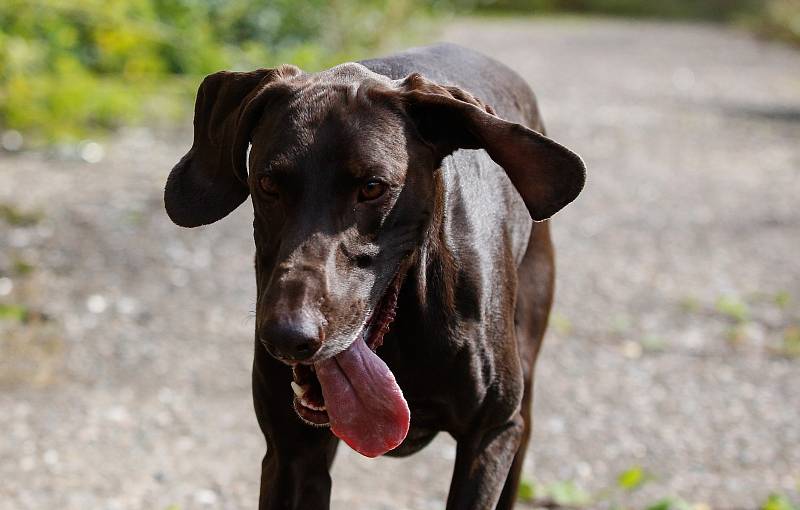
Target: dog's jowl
(403, 262)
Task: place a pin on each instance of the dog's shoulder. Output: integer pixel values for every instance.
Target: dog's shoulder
(482, 204)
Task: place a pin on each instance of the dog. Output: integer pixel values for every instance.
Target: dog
(403, 260)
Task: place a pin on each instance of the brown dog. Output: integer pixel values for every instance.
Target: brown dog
(385, 192)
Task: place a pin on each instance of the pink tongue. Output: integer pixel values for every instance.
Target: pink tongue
(364, 403)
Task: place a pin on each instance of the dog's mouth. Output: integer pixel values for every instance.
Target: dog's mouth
(354, 392)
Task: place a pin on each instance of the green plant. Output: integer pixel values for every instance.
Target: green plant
(526, 491)
(80, 68)
(783, 299)
(790, 347)
(18, 218)
(653, 343)
(13, 312)
(687, 9)
(21, 267)
(778, 502)
(778, 19)
(670, 503)
(632, 479)
(690, 304)
(733, 308)
(567, 493)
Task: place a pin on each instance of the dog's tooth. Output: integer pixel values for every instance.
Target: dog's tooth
(299, 390)
(311, 406)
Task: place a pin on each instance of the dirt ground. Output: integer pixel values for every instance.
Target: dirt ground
(128, 385)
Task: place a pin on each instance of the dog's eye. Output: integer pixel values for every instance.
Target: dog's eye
(268, 185)
(372, 190)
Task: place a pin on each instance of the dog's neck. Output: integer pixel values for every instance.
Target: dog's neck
(431, 272)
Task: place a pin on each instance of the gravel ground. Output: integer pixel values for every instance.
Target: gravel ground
(128, 385)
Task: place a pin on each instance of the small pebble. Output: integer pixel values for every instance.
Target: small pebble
(205, 497)
(96, 303)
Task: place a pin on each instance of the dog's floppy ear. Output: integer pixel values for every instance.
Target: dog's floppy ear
(546, 174)
(210, 181)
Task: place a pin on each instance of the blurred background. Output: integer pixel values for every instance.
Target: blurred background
(670, 376)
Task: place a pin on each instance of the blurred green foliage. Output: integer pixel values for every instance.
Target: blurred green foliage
(776, 19)
(568, 495)
(12, 312)
(632, 479)
(74, 68)
(17, 217)
(71, 69)
(779, 502)
(670, 503)
(526, 491)
(689, 9)
(734, 308)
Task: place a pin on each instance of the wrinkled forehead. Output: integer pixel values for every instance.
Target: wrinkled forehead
(328, 117)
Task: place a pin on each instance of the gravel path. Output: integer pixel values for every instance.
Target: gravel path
(678, 290)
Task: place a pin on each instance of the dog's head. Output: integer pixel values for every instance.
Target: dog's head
(341, 175)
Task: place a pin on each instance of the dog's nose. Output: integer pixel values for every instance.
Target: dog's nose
(291, 338)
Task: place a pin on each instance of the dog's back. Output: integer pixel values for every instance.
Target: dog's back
(450, 64)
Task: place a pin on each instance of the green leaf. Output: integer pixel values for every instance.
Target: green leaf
(568, 494)
(671, 503)
(18, 218)
(791, 342)
(11, 312)
(526, 491)
(21, 267)
(653, 343)
(690, 304)
(663, 504)
(734, 308)
(632, 479)
(783, 299)
(778, 502)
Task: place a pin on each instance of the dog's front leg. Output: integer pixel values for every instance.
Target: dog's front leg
(482, 463)
(300, 480)
(295, 470)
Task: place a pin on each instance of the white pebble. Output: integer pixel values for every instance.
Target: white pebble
(92, 152)
(205, 497)
(96, 303)
(632, 350)
(50, 457)
(6, 286)
(117, 414)
(11, 140)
